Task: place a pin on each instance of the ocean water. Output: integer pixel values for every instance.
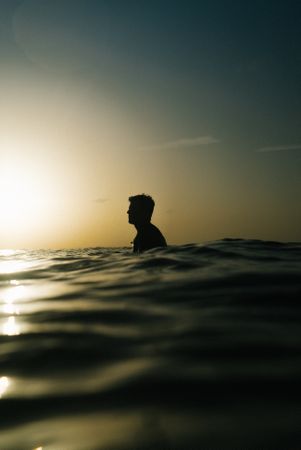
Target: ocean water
(190, 347)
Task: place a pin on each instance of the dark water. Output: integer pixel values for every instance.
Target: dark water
(189, 347)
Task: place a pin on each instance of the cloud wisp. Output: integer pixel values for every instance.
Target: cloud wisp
(101, 200)
(279, 148)
(183, 143)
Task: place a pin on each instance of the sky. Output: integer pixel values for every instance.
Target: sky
(197, 103)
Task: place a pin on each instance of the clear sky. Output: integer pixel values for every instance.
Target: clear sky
(197, 103)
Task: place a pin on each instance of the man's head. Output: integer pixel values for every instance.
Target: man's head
(141, 209)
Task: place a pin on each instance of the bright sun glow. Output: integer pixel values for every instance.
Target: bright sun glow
(25, 199)
(21, 198)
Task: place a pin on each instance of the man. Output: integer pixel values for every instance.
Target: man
(140, 213)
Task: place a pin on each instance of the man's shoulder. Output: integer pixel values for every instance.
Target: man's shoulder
(157, 234)
(149, 237)
(153, 227)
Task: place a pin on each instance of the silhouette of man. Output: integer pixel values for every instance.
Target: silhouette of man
(140, 213)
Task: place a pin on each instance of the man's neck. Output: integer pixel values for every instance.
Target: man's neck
(141, 226)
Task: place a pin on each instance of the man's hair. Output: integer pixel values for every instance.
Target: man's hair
(144, 203)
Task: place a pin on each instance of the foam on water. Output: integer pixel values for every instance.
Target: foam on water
(192, 346)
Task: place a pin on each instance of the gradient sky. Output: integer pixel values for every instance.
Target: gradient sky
(197, 103)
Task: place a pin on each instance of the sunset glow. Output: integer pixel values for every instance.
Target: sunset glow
(23, 202)
(96, 107)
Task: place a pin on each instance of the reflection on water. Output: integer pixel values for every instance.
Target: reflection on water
(7, 252)
(4, 383)
(9, 308)
(14, 266)
(10, 327)
(14, 293)
(9, 296)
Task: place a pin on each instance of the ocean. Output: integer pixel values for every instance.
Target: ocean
(195, 346)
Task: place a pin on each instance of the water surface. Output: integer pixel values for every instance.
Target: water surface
(188, 347)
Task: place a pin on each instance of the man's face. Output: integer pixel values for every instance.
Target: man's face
(136, 214)
(132, 214)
